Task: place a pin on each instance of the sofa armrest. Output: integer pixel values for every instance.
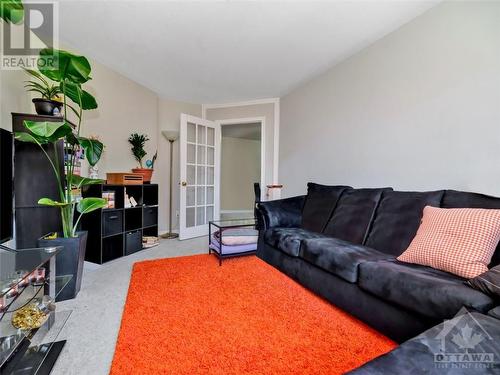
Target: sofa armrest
(286, 213)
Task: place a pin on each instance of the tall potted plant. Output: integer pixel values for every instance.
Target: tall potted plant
(70, 72)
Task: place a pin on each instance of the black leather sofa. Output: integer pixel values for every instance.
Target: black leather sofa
(342, 244)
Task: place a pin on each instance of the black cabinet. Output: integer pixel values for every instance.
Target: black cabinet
(115, 232)
(34, 179)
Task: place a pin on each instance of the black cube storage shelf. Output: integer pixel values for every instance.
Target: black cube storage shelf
(116, 232)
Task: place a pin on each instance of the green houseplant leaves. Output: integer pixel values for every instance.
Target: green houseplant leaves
(59, 65)
(70, 72)
(93, 149)
(12, 11)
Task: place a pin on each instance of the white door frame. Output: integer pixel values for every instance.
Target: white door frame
(250, 120)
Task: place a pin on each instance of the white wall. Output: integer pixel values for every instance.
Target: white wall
(240, 168)
(419, 109)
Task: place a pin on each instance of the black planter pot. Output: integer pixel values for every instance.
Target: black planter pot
(69, 261)
(46, 107)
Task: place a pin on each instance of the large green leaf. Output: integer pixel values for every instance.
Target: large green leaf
(30, 138)
(12, 11)
(78, 181)
(52, 203)
(52, 131)
(75, 92)
(59, 65)
(93, 149)
(87, 205)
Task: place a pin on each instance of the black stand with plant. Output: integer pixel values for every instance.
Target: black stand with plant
(69, 71)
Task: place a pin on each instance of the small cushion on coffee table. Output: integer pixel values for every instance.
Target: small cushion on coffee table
(237, 236)
(456, 240)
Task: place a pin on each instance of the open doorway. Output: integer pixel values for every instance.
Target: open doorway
(242, 146)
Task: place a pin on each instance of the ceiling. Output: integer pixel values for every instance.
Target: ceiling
(215, 52)
(245, 131)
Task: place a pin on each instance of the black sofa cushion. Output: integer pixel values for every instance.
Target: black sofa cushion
(288, 240)
(421, 289)
(397, 219)
(319, 205)
(426, 353)
(338, 257)
(353, 214)
(488, 282)
(462, 199)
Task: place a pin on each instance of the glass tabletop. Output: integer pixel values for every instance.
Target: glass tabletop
(233, 222)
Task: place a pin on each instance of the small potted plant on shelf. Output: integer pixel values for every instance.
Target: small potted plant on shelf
(50, 103)
(138, 142)
(70, 72)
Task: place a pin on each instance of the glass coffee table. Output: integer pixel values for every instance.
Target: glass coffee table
(231, 238)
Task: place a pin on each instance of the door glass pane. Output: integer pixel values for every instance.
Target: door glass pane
(201, 154)
(200, 196)
(210, 176)
(210, 213)
(201, 135)
(191, 171)
(191, 154)
(191, 132)
(200, 215)
(210, 195)
(210, 155)
(210, 136)
(190, 196)
(200, 176)
(190, 217)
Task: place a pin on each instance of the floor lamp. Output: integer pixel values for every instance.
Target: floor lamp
(171, 136)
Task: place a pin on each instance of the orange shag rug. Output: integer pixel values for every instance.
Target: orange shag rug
(189, 316)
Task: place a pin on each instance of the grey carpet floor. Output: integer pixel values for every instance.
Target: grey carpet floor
(92, 329)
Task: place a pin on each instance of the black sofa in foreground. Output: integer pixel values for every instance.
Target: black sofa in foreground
(342, 244)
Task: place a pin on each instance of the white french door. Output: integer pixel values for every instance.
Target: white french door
(199, 173)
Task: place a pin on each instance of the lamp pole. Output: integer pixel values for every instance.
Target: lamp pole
(171, 137)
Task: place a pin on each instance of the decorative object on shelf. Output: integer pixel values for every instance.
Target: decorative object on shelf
(138, 142)
(72, 71)
(150, 241)
(94, 172)
(33, 315)
(50, 103)
(109, 197)
(124, 178)
(171, 136)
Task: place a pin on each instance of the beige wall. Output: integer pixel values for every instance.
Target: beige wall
(240, 168)
(13, 97)
(169, 113)
(419, 109)
(125, 107)
(246, 111)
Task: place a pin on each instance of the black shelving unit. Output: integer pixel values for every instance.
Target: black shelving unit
(116, 232)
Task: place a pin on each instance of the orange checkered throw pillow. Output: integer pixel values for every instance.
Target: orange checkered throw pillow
(456, 240)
